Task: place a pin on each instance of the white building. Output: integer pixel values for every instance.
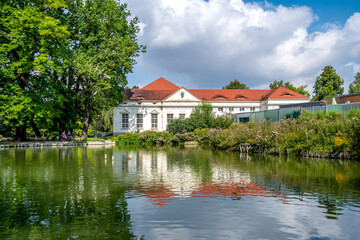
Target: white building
(156, 104)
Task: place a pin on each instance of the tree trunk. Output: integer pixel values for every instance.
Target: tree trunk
(21, 134)
(36, 130)
(21, 131)
(86, 118)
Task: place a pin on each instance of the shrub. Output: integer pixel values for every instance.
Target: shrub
(201, 117)
(178, 126)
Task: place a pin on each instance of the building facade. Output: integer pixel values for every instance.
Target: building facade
(158, 103)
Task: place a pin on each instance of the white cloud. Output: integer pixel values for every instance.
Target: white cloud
(211, 43)
(355, 67)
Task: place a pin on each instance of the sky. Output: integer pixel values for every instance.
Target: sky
(206, 44)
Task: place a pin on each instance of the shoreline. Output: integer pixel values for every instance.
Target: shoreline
(54, 144)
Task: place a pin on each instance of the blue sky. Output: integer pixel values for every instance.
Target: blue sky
(328, 11)
(207, 44)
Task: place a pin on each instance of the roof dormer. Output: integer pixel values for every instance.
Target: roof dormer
(219, 96)
(240, 96)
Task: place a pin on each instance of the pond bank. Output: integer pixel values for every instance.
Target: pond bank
(329, 136)
(53, 144)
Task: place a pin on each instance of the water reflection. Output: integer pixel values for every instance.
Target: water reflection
(173, 193)
(162, 181)
(60, 193)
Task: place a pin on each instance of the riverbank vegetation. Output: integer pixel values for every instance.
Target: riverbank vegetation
(320, 134)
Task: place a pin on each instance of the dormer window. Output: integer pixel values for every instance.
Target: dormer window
(239, 96)
(219, 97)
(286, 94)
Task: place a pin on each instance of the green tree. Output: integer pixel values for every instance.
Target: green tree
(103, 122)
(327, 84)
(354, 87)
(31, 42)
(301, 89)
(104, 50)
(236, 85)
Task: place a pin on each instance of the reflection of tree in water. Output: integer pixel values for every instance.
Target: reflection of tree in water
(42, 196)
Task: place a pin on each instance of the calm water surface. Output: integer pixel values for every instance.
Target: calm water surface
(174, 193)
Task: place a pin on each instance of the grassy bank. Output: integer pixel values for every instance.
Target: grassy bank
(314, 134)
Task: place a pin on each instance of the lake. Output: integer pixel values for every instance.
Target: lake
(174, 193)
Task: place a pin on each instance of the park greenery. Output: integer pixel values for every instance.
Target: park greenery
(301, 89)
(318, 134)
(201, 117)
(354, 87)
(328, 84)
(59, 60)
(236, 85)
(63, 66)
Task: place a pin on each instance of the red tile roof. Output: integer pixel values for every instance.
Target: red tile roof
(147, 95)
(283, 93)
(228, 94)
(160, 84)
(161, 89)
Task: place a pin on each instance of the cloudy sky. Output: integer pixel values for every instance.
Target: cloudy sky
(207, 44)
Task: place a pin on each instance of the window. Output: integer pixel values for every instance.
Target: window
(231, 109)
(242, 109)
(170, 118)
(182, 115)
(219, 96)
(182, 94)
(220, 109)
(252, 109)
(125, 120)
(154, 120)
(139, 120)
(239, 96)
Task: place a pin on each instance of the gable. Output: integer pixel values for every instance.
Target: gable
(182, 95)
(283, 93)
(160, 84)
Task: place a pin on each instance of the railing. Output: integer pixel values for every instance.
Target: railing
(276, 115)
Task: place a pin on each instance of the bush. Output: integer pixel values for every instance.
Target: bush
(178, 126)
(201, 117)
(222, 122)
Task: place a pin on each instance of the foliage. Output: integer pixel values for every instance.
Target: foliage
(327, 84)
(105, 47)
(31, 46)
(146, 138)
(103, 122)
(59, 60)
(201, 117)
(236, 85)
(222, 122)
(301, 89)
(178, 126)
(313, 134)
(354, 87)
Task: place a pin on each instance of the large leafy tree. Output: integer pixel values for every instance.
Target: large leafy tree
(236, 85)
(328, 84)
(301, 89)
(104, 47)
(31, 43)
(354, 87)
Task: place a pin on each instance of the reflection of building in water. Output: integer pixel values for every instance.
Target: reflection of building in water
(162, 182)
(153, 172)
